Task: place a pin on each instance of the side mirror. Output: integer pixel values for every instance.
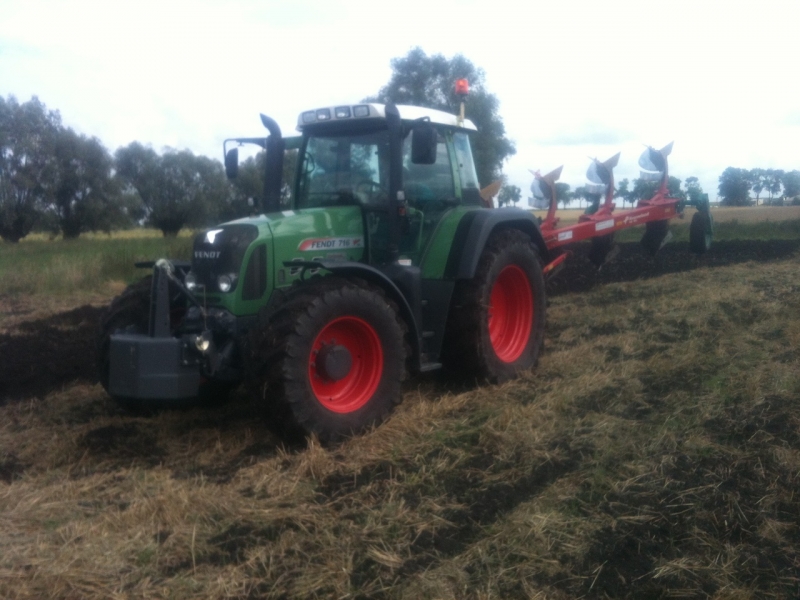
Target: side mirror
(232, 163)
(423, 143)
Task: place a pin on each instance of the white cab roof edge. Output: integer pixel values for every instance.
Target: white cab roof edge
(378, 111)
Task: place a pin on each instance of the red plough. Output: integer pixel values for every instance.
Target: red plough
(601, 222)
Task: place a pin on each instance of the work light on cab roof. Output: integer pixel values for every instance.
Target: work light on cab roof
(377, 112)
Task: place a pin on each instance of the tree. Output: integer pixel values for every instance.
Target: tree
(423, 80)
(758, 181)
(734, 187)
(509, 194)
(581, 194)
(177, 189)
(623, 192)
(791, 184)
(191, 190)
(563, 193)
(644, 189)
(27, 138)
(84, 191)
(138, 169)
(774, 181)
(694, 192)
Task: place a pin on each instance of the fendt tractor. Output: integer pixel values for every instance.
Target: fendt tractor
(381, 259)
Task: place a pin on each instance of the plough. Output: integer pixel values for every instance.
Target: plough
(601, 221)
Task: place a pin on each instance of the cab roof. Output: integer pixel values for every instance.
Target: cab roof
(361, 112)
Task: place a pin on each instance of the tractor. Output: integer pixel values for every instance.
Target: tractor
(378, 260)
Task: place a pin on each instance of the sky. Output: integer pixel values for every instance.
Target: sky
(576, 79)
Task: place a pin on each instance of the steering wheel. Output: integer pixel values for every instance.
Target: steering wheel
(309, 163)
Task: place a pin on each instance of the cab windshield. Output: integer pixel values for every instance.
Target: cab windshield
(345, 169)
(353, 169)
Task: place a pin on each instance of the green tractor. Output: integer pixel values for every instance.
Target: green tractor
(379, 260)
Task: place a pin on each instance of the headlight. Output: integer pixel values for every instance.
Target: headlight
(190, 281)
(203, 342)
(225, 283)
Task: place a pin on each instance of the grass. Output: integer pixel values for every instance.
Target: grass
(654, 453)
(103, 264)
(39, 266)
(660, 457)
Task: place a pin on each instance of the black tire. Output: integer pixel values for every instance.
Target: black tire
(129, 313)
(330, 361)
(654, 234)
(469, 345)
(700, 233)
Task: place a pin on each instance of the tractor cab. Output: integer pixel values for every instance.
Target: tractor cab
(404, 167)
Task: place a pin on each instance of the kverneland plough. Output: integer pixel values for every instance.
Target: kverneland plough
(601, 221)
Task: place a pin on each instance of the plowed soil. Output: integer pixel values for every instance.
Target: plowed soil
(653, 453)
(44, 355)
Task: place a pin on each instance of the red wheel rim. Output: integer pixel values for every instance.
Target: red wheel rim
(510, 313)
(354, 390)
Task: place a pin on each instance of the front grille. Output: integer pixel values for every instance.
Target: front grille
(221, 251)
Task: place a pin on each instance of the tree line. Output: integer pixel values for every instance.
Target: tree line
(54, 179)
(57, 180)
(782, 187)
(735, 187)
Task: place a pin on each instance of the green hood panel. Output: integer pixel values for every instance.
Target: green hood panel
(297, 235)
(317, 233)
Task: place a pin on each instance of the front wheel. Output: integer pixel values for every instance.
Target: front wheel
(496, 324)
(331, 361)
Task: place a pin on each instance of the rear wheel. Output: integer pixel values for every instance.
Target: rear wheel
(496, 324)
(331, 360)
(700, 233)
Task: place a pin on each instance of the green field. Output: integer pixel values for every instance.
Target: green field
(38, 265)
(654, 453)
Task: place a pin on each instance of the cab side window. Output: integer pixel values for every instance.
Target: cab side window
(425, 183)
(470, 190)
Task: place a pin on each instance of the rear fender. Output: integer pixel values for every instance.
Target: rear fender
(474, 230)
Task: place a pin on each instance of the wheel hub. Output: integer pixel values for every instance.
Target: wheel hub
(334, 362)
(345, 364)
